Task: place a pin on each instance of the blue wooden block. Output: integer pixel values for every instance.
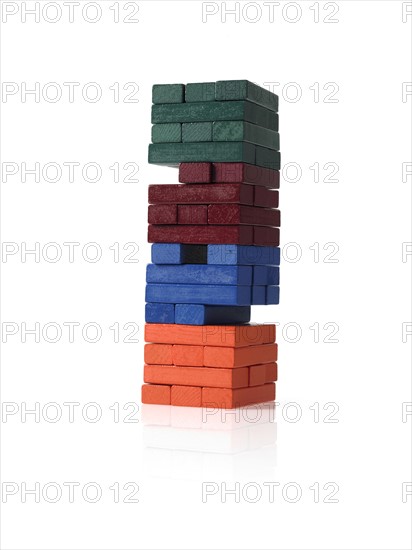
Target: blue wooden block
(160, 313)
(168, 253)
(195, 274)
(272, 295)
(265, 275)
(225, 295)
(258, 295)
(196, 314)
(233, 254)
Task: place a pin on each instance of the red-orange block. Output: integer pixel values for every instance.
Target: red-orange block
(196, 376)
(224, 398)
(191, 356)
(155, 395)
(229, 358)
(158, 354)
(186, 396)
(262, 374)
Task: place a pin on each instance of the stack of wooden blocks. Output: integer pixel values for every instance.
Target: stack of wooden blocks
(216, 246)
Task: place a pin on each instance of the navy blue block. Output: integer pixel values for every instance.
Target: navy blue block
(195, 274)
(258, 295)
(265, 275)
(225, 295)
(233, 254)
(160, 313)
(165, 253)
(272, 295)
(196, 314)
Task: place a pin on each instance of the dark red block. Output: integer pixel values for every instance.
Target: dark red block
(162, 213)
(195, 172)
(240, 172)
(201, 194)
(192, 214)
(201, 234)
(266, 197)
(236, 214)
(265, 236)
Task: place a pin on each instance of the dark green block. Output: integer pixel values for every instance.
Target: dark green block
(243, 89)
(237, 130)
(267, 158)
(210, 111)
(167, 133)
(200, 91)
(168, 93)
(175, 153)
(197, 131)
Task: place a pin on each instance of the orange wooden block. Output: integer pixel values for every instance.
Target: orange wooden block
(196, 376)
(191, 356)
(262, 374)
(212, 335)
(224, 398)
(186, 396)
(158, 354)
(156, 395)
(229, 358)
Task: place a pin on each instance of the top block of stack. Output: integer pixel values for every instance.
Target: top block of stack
(224, 121)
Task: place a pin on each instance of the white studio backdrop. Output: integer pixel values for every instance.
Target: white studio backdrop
(88, 468)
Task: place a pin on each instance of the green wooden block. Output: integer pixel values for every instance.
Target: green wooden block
(210, 111)
(267, 158)
(200, 91)
(168, 93)
(197, 131)
(243, 89)
(175, 153)
(167, 133)
(237, 130)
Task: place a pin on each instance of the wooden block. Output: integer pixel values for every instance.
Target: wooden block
(196, 376)
(160, 313)
(186, 396)
(262, 236)
(176, 153)
(200, 91)
(202, 194)
(265, 275)
(266, 197)
(230, 358)
(196, 131)
(235, 336)
(272, 295)
(240, 172)
(203, 234)
(167, 133)
(258, 296)
(231, 398)
(210, 111)
(243, 89)
(229, 214)
(257, 374)
(168, 253)
(155, 395)
(158, 354)
(192, 214)
(185, 355)
(263, 156)
(196, 274)
(231, 295)
(168, 93)
(271, 372)
(162, 213)
(199, 314)
(238, 130)
(195, 172)
(234, 254)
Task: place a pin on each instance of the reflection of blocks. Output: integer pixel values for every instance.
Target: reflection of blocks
(215, 249)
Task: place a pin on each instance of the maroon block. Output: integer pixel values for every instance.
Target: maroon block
(201, 234)
(192, 214)
(265, 236)
(195, 172)
(162, 213)
(237, 214)
(240, 172)
(201, 194)
(266, 197)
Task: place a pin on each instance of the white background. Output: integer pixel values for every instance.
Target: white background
(361, 380)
